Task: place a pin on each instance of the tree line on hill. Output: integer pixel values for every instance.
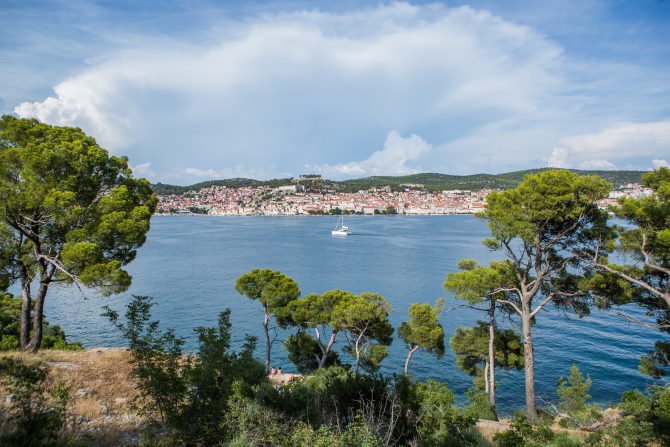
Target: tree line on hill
(430, 181)
(74, 215)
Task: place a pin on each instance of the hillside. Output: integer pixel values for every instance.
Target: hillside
(431, 181)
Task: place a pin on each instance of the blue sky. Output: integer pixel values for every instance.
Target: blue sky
(195, 90)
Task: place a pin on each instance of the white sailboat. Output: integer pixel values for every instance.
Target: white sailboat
(341, 229)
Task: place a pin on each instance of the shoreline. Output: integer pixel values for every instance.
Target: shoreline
(315, 215)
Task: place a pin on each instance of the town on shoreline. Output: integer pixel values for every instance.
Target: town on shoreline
(295, 200)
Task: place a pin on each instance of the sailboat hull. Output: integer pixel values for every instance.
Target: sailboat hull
(341, 229)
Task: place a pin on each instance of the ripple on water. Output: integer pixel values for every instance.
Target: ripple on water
(190, 263)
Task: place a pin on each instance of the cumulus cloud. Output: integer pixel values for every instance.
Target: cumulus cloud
(660, 164)
(558, 158)
(142, 169)
(621, 142)
(597, 164)
(311, 87)
(190, 174)
(391, 160)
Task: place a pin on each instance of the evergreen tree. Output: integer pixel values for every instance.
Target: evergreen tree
(423, 330)
(70, 214)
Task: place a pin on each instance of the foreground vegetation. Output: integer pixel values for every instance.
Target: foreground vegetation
(156, 394)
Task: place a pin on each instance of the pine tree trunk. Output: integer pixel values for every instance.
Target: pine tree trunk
(326, 350)
(26, 305)
(266, 327)
(529, 363)
(38, 318)
(409, 357)
(491, 379)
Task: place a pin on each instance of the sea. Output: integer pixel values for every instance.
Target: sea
(189, 265)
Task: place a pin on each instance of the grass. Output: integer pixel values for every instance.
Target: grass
(101, 389)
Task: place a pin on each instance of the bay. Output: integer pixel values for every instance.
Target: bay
(189, 264)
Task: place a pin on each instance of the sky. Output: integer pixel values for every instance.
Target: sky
(202, 89)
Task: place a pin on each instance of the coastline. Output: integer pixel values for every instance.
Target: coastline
(312, 215)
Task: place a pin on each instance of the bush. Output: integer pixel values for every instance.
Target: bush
(524, 434)
(36, 414)
(480, 406)
(647, 420)
(190, 394)
(573, 391)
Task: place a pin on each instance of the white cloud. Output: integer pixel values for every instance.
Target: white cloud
(319, 88)
(202, 173)
(142, 169)
(621, 141)
(392, 160)
(660, 164)
(558, 158)
(312, 87)
(190, 175)
(597, 164)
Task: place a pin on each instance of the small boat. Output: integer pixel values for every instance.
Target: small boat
(341, 229)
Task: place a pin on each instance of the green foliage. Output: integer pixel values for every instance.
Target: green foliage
(353, 435)
(10, 312)
(222, 398)
(272, 289)
(441, 424)
(316, 312)
(476, 284)
(536, 225)
(656, 362)
(650, 411)
(573, 391)
(36, 413)
(70, 211)
(524, 434)
(645, 244)
(423, 328)
(470, 345)
(479, 406)
(431, 181)
(544, 206)
(364, 321)
(251, 424)
(304, 352)
(56, 175)
(189, 393)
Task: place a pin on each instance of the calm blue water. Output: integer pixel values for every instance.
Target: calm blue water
(190, 263)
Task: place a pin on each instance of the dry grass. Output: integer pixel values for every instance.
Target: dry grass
(101, 388)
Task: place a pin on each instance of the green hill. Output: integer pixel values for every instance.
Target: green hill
(165, 189)
(431, 181)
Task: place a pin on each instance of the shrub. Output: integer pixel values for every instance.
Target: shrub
(189, 393)
(524, 434)
(36, 414)
(573, 391)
